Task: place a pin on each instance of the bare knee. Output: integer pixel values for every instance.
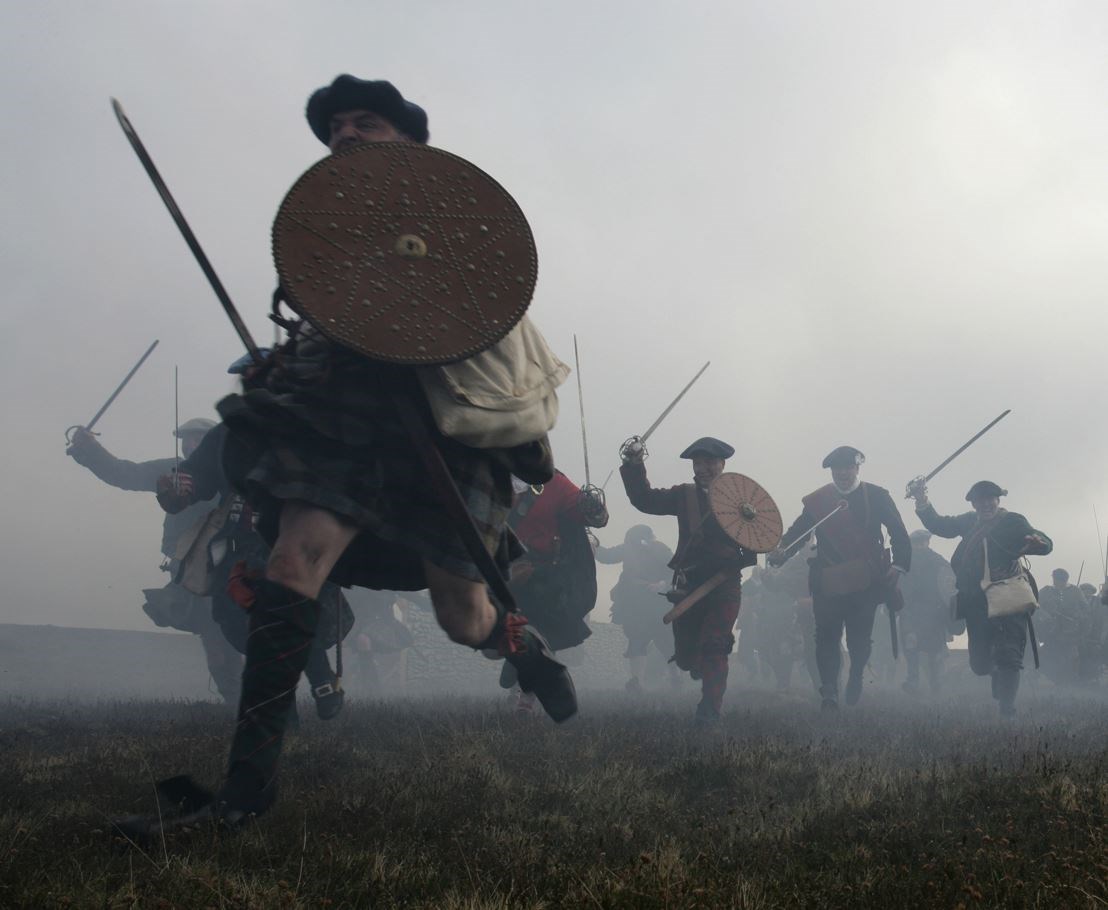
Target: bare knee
(290, 565)
(462, 607)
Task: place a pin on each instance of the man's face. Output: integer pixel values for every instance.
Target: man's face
(350, 128)
(706, 469)
(921, 543)
(189, 442)
(844, 477)
(1061, 579)
(986, 507)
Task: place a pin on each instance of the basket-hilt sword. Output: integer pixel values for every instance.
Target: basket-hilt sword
(641, 440)
(918, 482)
(186, 232)
(107, 404)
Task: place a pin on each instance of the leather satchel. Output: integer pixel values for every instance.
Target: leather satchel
(848, 577)
(1007, 596)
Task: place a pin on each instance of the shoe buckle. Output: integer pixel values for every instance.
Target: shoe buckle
(323, 691)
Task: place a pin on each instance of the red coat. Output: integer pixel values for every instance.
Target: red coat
(560, 500)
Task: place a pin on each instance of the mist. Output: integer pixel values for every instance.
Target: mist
(882, 224)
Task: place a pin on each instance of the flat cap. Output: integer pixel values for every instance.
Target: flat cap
(844, 457)
(984, 489)
(196, 425)
(348, 93)
(709, 447)
(920, 534)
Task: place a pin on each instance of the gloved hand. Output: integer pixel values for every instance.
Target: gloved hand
(633, 451)
(81, 445)
(176, 491)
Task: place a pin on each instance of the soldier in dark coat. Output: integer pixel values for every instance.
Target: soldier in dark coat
(1069, 630)
(925, 621)
(636, 604)
(851, 572)
(171, 605)
(554, 582)
(703, 636)
(996, 645)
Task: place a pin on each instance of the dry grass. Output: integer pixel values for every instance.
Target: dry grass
(462, 805)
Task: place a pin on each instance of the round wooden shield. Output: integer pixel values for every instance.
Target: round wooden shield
(405, 253)
(745, 512)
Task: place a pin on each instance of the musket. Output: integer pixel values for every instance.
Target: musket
(581, 403)
(645, 436)
(186, 232)
(920, 481)
(107, 404)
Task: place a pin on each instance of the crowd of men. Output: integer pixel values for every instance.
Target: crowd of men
(330, 470)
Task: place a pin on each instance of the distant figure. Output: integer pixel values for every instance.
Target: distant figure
(171, 605)
(851, 572)
(703, 636)
(636, 602)
(780, 626)
(1070, 632)
(996, 645)
(555, 581)
(925, 621)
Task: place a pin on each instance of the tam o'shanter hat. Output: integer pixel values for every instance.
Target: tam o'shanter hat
(844, 457)
(196, 425)
(709, 447)
(984, 489)
(348, 93)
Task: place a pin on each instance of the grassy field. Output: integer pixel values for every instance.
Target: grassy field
(462, 804)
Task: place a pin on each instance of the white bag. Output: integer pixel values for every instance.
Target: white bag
(1007, 596)
(500, 398)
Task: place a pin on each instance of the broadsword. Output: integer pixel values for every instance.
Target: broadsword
(107, 404)
(800, 537)
(186, 232)
(641, 440)
(581, 403)
(915, 483)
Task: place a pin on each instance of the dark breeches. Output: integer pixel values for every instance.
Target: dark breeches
(994, 644)
(855, 614)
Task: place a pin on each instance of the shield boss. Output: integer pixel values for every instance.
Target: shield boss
(745, 512)
(405, 253)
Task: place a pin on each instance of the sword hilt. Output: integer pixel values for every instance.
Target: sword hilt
(625, 454)
(914, 485)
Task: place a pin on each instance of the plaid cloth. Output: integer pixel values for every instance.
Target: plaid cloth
(323, 429)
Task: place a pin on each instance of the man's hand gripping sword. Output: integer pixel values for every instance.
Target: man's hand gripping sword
(633, 451)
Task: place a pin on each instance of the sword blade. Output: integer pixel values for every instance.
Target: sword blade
(645, 436)
(973, 439)
(808, 533)
(581, 403)
(186, 232)
(1100, 543)
(126, 379)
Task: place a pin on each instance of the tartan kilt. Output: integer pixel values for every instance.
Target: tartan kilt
(324, 430)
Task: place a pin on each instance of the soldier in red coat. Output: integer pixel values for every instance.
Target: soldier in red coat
(555, 581)
(703, 636)
(851, 572)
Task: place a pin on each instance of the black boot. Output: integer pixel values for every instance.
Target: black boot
(536, 669)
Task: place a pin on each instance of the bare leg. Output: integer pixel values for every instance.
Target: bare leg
(462, 607)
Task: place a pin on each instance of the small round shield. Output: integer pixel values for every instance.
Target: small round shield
(745, 512)
(405, 253)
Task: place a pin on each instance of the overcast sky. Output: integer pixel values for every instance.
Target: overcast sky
(882, 222)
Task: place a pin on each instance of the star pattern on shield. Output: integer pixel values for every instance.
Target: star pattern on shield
(408, 246)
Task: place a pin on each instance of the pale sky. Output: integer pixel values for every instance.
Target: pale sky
(883, 223)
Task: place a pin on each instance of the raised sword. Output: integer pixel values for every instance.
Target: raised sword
(186, 232)
(921, 481)
(641, 440)
(107, 404)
